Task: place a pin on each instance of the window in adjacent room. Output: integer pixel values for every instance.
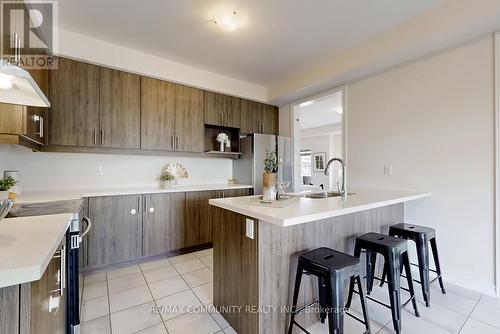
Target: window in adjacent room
(305, 163)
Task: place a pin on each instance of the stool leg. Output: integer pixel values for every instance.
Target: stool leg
(384, 275)
(423, 268)
(409, 279)
(351, 290)
(436, 262)
(357, 253)
(364, 307)
(296, 289)
(393, 279)
(336, 314)
(322, 299)
(371, 260)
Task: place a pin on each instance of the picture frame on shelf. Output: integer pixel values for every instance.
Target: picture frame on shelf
(319, 161)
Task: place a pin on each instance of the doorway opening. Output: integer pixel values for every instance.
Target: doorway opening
(318, 132)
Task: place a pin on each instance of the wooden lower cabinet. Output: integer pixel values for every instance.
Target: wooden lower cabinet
(116, 229)
(163, 223)
(199, 217)
(129, 227)
(24, 308)
(200, 214)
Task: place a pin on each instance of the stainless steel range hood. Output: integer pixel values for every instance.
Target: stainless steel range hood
(18, 87)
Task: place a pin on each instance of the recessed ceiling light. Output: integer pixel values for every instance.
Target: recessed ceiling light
(230, 20)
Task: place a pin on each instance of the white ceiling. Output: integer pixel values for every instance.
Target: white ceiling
(282, 37)
(321, 112)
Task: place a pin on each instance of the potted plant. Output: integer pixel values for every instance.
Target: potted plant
(166, 179)
(5, 184)
(269, 179)
(223, 140)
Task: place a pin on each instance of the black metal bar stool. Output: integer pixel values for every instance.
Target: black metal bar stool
(422, 236)
(395, 253)
(332, 269)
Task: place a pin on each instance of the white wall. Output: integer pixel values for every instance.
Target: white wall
(95, 51)
(433, 120)
(50, 171)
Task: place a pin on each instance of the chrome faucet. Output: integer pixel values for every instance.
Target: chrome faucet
(341, 188)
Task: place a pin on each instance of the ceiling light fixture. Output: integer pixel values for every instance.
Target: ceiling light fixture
(230, 20)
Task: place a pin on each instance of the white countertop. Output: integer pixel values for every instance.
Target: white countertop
(308, 210)
(61, 195)
(27, 245)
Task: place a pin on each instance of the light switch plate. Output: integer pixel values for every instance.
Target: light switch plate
(249, 229)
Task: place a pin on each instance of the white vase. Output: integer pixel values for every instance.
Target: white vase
(4, 195)
(221, 148)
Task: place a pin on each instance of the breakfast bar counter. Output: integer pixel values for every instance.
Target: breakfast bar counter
(256, 250)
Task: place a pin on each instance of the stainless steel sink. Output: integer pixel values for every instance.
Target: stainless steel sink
(324, 194)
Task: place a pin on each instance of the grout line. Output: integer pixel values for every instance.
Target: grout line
(109, 305)
(470, 314)
(154, 300)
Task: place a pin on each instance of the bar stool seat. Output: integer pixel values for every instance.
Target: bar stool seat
(395, 254)
(422, 236)
(332, 268)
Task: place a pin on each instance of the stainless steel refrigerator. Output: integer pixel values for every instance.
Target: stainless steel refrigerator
(248, 169)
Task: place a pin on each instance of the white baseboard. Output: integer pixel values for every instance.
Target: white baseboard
(481, 287)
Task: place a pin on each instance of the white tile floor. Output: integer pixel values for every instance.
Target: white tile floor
(120, 302)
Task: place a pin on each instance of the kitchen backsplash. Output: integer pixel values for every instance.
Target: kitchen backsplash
(51, 171)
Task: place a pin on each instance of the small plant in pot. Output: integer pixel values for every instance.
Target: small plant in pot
(269, 179)
(5, 185)
(166, 179)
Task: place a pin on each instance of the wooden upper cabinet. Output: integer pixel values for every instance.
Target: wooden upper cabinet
(251, 116)
(157, 114)
(120, 109)
(37, 119)
(189, 128)
(270, 120)
(259, 118)
(222, 110)
(74, 98)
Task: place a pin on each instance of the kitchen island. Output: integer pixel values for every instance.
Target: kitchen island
(256, 250)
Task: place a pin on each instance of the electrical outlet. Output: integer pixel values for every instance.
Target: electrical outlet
(100, 170)
(249, 228)
(388, 169)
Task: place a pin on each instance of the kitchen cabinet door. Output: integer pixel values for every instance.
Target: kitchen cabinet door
(199, 217)
(189, 128)
(222, 110)
(36, 117)
(116, 233)
(157, 115)
(163, 223)
(44, 320)
(270, 120)
(74, 98)
(235, 193)
(251, 116)
(120, 109)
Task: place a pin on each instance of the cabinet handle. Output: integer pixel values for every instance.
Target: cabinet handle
(42, 127)
(172, 142)
(94, 137)
(151, 209)
(63, 269)
(102, 137)
(176, 142)
(133, 212)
